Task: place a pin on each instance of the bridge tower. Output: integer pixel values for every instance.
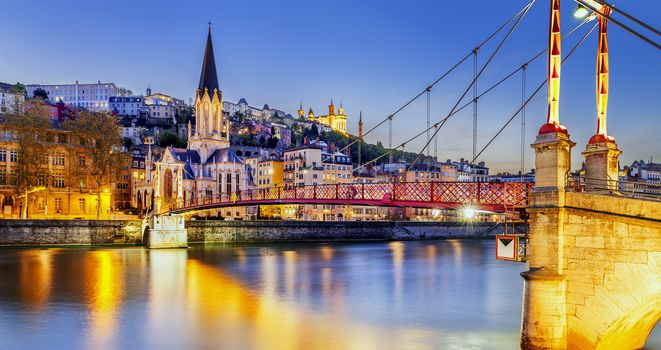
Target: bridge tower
(544, 325)
(601, 153)
(593, 256)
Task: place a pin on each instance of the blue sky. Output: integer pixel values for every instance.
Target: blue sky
(372, 55)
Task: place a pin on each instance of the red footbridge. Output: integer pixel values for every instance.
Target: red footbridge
(487, 196)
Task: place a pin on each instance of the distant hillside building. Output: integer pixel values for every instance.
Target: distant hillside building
(335, 121)
(95, 96)
(126, 106)
(244, 108)
(7, 98)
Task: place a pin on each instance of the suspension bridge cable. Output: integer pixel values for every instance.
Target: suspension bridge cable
(622, 25)
(636, 20)
(523, 119)
(533, 94)
(486, 64)
(428, 124)
(389, 117)
(474, 102)
(464, 106)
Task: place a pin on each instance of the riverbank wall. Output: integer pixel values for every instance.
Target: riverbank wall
(69, 232)
(265, 231)
(121, 232)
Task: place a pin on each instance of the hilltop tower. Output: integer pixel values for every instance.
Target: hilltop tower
(301, 111)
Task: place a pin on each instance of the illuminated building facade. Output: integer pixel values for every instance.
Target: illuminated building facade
(270, 173)
(94, 97)
(60, 193)
(335, 121)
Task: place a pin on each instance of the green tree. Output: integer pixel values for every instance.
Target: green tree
(19, 89)
(40, 93)
(100, 144)
(169, 138)
(272, 142)
(122, 91)
(29, 125)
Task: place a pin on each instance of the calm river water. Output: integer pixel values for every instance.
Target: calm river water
(387, 295)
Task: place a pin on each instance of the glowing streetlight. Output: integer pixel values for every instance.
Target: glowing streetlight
(581, 12)
(469, 212)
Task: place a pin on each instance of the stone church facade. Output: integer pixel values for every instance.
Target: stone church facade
(207, 167)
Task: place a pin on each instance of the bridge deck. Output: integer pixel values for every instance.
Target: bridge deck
(487, 196)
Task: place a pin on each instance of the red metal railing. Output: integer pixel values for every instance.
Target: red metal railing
(491, 196)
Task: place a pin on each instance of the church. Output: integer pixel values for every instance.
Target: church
(334, 120)
(207, 166)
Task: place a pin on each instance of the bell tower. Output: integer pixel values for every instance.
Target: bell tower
(211, 126)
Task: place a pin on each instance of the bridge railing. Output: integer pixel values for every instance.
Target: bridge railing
(632, 189)
(510, 194)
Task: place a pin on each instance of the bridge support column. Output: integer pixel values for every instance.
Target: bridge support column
(165, 231)
(601, 165)
(544, 318)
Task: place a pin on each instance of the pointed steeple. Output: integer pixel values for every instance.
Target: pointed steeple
(208, 76)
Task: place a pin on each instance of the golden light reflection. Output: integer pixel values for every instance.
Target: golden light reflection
(35, 278)
(257, 321)
(326, 252)
(326, 282)
(397, 251)
(458, 251)
(290, 272)
(104, 287)
(241, 256)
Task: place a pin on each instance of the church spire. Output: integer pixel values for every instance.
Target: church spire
(208, 76)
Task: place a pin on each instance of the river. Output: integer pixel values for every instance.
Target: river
(449, 294)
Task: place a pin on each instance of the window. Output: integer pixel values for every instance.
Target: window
(42, 180)
(58, 204)
(58, 159)
(82, 183)
(81, 204)
(81, 161)
(13, 156)
(58, 180)
(41, 204)
(3, 176)
(3, 154)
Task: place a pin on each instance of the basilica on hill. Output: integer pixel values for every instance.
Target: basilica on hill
(207, 166)
(334, 120)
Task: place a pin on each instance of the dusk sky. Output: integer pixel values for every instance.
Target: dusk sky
(371, 55)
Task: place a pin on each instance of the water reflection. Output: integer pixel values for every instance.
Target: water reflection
(103, 290)
(417, 295)
(35, 278)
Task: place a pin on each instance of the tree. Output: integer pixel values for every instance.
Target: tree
(313, 132)
(262, 141)
(272, 142)
(40, 93)
(29, 125)
(128, 143)
(121, 91)
(19, 89)
(100, 155)
(169, 138)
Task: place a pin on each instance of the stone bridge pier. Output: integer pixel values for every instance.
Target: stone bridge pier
(595, 265)
(164, 231)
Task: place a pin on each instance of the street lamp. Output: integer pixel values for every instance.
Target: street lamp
(582, 11)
